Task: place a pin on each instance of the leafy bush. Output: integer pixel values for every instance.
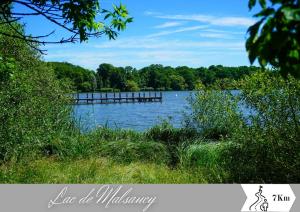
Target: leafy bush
(33, 111)
(33, 106)
(214, 114)
(268, 150)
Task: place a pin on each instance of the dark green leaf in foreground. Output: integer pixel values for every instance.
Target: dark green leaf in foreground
(275, 39)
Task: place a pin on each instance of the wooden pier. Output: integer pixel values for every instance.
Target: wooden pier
(117, 98)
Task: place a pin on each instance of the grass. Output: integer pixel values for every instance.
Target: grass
(96, 171)
(110, 156)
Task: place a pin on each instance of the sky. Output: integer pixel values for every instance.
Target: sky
(173, 33)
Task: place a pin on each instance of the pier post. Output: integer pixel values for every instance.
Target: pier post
(161, 96)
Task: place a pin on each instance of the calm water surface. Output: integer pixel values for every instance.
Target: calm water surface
(139, 116)
(136, 116)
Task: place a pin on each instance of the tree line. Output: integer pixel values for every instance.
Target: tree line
(154, 77)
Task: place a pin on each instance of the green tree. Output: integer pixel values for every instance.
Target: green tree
(177, 83)
(275, 38)
(81, 78)
(104, 71)
(188, 75)
(132, 86)
(77, 17)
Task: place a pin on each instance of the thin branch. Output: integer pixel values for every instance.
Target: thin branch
(46, 16)
(48, 11)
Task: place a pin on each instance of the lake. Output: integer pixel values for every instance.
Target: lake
(139, 116)
(136, 116)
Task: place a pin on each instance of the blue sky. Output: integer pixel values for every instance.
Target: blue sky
(169, 32)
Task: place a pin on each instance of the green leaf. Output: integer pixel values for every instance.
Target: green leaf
(251, 4)
(107, 16)
(263, 3)
(265, 12)
(294, 54)
(291, 14)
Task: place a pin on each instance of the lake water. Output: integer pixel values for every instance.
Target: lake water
(136, 116)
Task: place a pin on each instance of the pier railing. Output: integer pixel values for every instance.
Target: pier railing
(115, 98)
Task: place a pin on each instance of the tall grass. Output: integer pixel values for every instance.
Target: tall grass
(99, 171)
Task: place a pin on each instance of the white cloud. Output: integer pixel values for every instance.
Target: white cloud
(213, 20)
(159, 43)
(149, 13)
(225, 32)
(184, 29)
(144, 57)
(215, 35)
(169, 24)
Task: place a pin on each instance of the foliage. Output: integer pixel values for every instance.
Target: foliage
(274, 39)
(214, 114)
(32, 103)
(158, 77)
(132, 86)
(268, 149)
(154, 77)
(33, 110)
(81, 79)
(77, 17)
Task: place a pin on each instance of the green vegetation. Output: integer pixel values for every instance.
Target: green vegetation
(78, 78)
(153, 77)
(80, 19)
(95, 171)
(263, 147)
(40, 143)
(274, 39)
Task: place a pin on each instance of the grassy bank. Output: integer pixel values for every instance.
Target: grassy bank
(100, 170)
(111, 156)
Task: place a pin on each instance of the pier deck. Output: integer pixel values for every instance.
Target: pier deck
(116, 98)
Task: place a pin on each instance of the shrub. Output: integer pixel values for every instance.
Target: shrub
(267, 151)
(33, 110)
(214, 114)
